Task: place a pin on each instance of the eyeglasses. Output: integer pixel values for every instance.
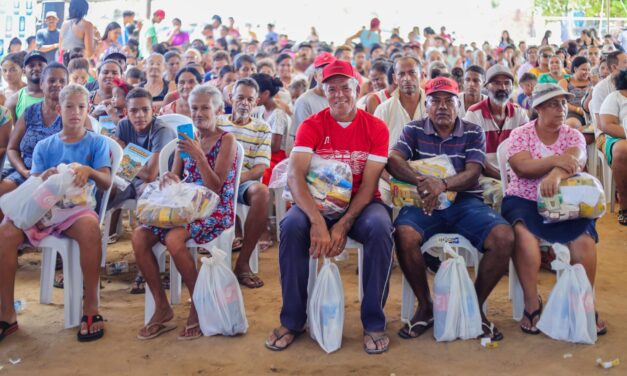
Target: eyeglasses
(547, 56)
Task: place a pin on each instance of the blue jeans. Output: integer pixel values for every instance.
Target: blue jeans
(373, 228)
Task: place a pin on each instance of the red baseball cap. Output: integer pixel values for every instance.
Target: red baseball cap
(374, 23)
(323, 59)
(441, 84)
(338, 68)
(159, 13)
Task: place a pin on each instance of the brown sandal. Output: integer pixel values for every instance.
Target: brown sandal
(250, 280)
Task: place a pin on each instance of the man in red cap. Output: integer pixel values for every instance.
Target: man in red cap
(149, 39)
(442, 132)
(313, 100)
(346, 134)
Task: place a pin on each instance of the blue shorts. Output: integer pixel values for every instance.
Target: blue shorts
(14, 176)
(243, 188)
(468, 216)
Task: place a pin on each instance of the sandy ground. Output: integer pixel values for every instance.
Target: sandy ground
(45, 348)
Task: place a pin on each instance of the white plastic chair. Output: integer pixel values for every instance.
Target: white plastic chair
(174, 120)
(608, 182)
(434, 246)
(224, 241)
(70, 253)
(280, 207)
(350, 244)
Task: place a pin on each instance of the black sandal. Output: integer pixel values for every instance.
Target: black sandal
(272, 345)
(7, 329)
(530, 317)
(375, 340)
(90, 320)
(603, 330)
(622, 217)
(407, 330)
(493, 333)
(139, 287)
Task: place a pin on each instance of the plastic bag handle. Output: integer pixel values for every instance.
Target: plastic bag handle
(217, 255)
(452, 252)
(562, 257)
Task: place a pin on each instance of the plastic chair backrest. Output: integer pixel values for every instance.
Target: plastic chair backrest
(501, 157)
(116, 157)
(170, 147)
(95, 124)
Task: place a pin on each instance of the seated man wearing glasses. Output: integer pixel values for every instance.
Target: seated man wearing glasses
(443, 132)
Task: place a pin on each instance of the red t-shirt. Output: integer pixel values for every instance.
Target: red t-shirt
(365, 138)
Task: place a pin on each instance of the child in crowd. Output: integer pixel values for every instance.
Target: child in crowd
(79, 71)
(527, 83)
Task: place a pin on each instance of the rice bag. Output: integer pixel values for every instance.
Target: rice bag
(330, 183)
(580, 196)
(175, 205)
(405, 194)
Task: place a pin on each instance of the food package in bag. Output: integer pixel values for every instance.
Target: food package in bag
(278, 179)
(580, 196)
(218, 298)
(455, 307)
(330, 182)
(569, 314)
(326, 308)
(37, 197)
(405, 194)
(175, 205)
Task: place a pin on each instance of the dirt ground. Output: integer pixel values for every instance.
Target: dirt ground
(45, 348)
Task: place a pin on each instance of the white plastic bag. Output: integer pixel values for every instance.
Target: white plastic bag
(326, 308)
(580, 196)
(176, 204)
(36, 197)
(218, 298)
(330, 182)
(569, 314)
(456, 308)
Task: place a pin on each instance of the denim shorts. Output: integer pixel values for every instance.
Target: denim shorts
(243, 188)
(468, 217)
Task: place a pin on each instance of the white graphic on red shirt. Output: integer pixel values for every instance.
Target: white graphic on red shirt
(355, 159)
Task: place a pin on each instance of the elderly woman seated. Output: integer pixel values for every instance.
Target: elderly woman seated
(89, 153)
(543, 153)
(36, 123)
(209, 160)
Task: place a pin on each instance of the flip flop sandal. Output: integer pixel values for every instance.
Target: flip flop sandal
(622, 217)
(264, 245)
(530, 317)
(272, 345)
(140, 286)
(90, 320)
(58, 281)
(162, 329)
(375, 340)
(493, 332)
(165, 282)
(7, 329)
(407, 330)
(237, 245)
(255, 283)
(603, 330)
(58, 263)
(190, 338)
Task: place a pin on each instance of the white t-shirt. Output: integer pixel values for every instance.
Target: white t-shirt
(396, 117)
(615, 104)
(599, 93)
(306, 105)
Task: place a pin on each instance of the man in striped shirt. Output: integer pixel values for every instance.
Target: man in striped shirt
(442, 132)
(254, 135)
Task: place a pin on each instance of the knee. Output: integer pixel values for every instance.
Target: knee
(175, 244)
(90, 230)
(294, 222)
(10, 234)
(407, 239)
(501, 241)
(619, 153)
(378, 226)
(258, 195)
(140, 240)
